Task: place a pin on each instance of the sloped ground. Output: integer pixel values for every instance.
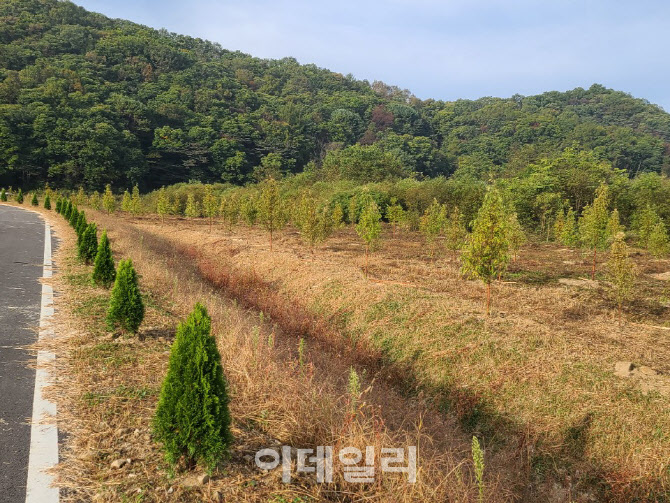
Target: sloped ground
(536, 379)
(108, 386)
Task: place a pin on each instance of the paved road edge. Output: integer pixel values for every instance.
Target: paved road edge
(43, 430)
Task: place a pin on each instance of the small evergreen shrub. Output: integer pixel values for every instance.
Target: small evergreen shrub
(193, 419)
(34, 201)
(3, 196)
(80, 226)
(126, 309)
(74, 217)
(103, 267)
(19, 197)
(47, 202)
(88, 246)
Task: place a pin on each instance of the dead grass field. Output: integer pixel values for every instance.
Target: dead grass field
(108, 384)
(536, 379)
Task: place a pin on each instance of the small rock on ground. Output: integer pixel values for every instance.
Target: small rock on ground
(623, 369)
(120, 463)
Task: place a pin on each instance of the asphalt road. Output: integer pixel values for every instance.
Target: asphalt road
(21, 258)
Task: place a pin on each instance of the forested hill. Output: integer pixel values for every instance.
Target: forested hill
(86, 100)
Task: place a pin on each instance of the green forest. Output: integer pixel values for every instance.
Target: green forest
(88, 101)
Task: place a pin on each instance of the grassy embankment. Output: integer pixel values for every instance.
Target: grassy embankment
(535, 379)
(108, 384)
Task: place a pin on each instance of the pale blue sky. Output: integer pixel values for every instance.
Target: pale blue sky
(445, 49)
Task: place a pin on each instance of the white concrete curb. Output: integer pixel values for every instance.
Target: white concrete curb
(43, 437)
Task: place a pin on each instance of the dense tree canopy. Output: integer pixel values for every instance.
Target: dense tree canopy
(88, 101)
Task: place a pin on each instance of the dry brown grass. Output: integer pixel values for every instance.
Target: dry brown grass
(107, 388)
(536, 378)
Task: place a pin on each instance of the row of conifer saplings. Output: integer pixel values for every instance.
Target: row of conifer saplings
(496, 233)
(316, 221)
(19, 198)
(192, 420)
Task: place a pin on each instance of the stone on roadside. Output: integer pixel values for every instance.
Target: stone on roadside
(623, 369)
(120, 463)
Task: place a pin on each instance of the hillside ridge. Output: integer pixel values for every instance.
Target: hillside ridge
(86, 100)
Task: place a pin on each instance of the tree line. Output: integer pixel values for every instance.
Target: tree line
(485, 245)
(89, 101)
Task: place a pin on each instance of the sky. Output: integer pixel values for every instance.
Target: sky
(441, 49)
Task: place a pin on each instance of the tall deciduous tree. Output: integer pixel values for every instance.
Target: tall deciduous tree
(126, 202)
(515, 235)
(369, 228)
(645, 220)
(454, 231)
(94, 200)
(230, 210)
(657, 242)
(621, 271)
(210, 205)
(313, 220)
(337, 216)
(614, 226)
(568, 235)
(249, 210)
(270, 207)
(486, 253)
(162, 203)
(136, 201)
(108, 200)
(432, 224)
(394, 213)
(80, 198)
(593, 225)
(192, 207)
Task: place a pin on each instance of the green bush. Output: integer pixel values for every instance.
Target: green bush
(126, 309)
(88, 246)
(74, 217)
(3, 195)
(19, 197)
(47, 202)
(103, 267)
(34, 201)
(192, 418)
(80, 226)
